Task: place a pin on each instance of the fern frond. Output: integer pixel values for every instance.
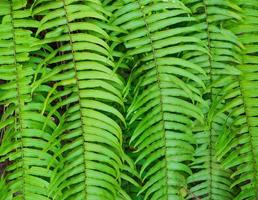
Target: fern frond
(26, 130)
(210, 180)
(238, 148)
(164, 105)
(82, 67)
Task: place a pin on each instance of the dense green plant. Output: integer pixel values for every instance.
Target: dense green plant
(128, 99)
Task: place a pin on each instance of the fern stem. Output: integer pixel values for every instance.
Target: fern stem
(18, 115)
(161, 98)
(211, 99)
(250, 137)
(79, 96)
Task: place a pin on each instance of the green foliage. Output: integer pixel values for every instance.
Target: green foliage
(128, 100)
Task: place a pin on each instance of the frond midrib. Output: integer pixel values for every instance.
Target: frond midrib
(250, 136)
(211, 100)
(79, 96)
(160, 94)
(251, 142)
(18, 115)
